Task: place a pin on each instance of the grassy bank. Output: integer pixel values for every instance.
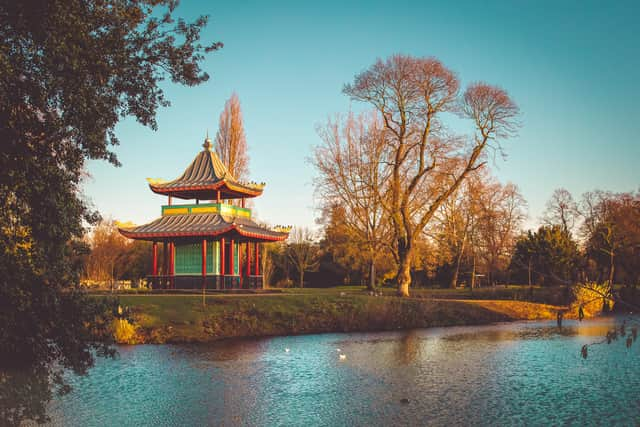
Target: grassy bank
(183, 318)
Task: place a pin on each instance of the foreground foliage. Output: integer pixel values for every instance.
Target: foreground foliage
(69, 71)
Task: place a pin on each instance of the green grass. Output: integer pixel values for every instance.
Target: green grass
(184, 318)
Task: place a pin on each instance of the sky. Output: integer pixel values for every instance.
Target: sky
(571, 66)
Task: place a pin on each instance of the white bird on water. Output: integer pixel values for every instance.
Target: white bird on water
(286, 350)
(343, 356)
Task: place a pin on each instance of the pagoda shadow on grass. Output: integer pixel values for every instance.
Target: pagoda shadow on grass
(212, 245)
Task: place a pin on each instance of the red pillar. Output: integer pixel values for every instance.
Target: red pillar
(222, 257)
(248, 259)
(231, 253)
(240, 263)
(204, 263)
(257, 255)
(172, 262)
(165, 262)
(154, 265)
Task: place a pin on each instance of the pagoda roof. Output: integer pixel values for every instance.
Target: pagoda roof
(202, 226)
(204, 178)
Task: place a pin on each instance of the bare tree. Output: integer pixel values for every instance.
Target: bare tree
(350, 162)
(231, 144)
(502, 209)
(480, 220)
(561, 210)
(302, 251)
(456, 222)
(412, 96)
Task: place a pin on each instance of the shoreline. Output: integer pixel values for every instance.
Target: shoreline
(161, 319)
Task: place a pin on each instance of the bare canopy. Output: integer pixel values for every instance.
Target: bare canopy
(426, 163)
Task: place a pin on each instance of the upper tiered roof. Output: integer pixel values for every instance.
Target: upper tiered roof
(205, 179)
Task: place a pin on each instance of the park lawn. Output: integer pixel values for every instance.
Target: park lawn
(184, 318)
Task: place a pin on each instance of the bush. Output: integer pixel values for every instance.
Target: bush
(124, 332)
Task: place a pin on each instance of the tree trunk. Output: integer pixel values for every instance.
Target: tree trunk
(456, 272)
(454, 278)
(302, 277)
(529, 271)
(372, 276)
(473, 273)
(611, 269)
(403, 278)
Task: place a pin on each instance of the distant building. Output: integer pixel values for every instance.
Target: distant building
(211, 243)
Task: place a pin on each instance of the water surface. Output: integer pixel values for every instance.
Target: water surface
(508, 374)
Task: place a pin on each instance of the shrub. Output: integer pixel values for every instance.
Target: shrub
(124, 332)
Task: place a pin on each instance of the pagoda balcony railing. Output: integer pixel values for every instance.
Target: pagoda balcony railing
(212, 282)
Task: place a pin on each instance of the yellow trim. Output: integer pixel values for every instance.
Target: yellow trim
(176, 211)
(243, 188)
(155, 181)
(205, 209)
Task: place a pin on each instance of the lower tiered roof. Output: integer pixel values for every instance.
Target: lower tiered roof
(204, 225)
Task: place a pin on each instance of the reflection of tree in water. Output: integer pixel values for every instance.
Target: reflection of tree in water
(408, 349)
(247, 349)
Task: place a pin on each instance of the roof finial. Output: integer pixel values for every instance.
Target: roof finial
(207, 142)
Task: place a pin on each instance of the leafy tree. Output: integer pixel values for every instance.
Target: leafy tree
(136, 262)
(549, 254)
(69, 71)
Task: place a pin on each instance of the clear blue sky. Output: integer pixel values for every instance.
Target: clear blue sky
(572, 67)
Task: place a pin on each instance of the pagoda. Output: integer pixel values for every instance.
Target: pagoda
(212, 243)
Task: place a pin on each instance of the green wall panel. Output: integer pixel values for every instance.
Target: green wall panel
(188, 258)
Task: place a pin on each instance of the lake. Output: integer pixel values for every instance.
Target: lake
(526, 373)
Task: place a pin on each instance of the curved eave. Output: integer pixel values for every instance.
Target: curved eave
(206, 191)
(234, 227)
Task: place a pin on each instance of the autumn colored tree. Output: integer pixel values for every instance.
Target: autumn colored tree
(611, 228)
(69, 72)
(231, 143)
(108, 248)
(113, 257)
(351, 176)
(413, 96)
